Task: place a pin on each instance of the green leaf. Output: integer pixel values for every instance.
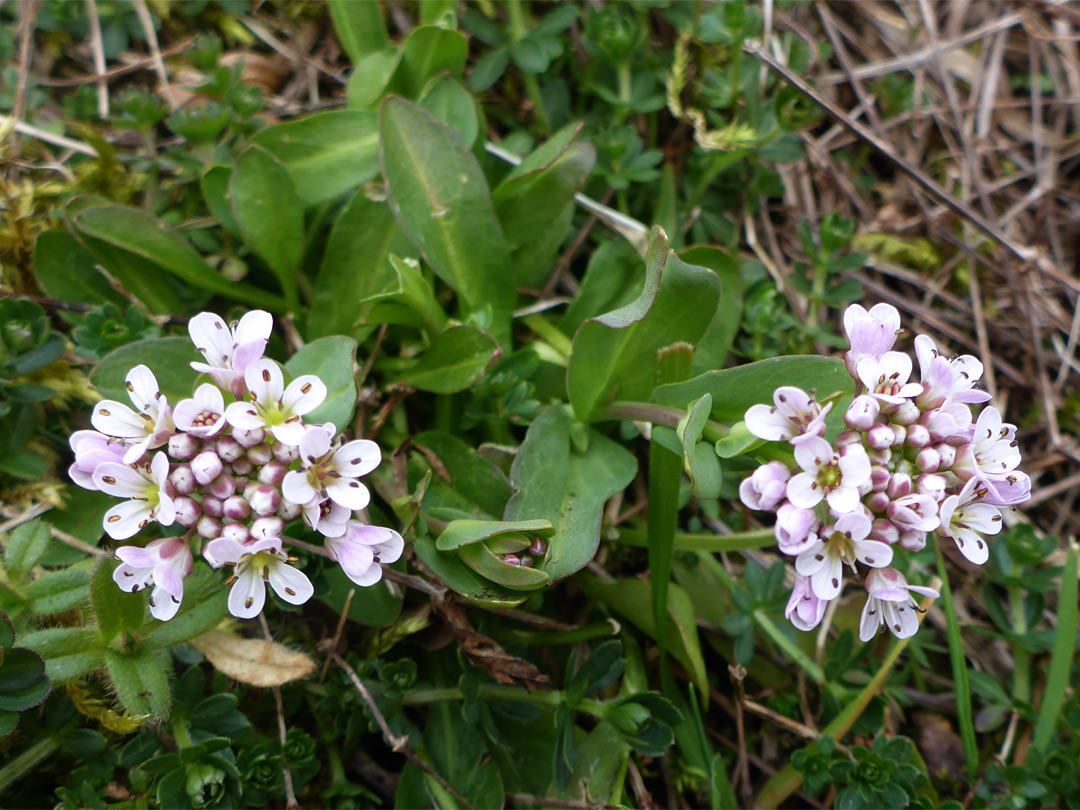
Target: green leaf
(22, 668)
(471, 475)
(554, 480)
(737, 442)
(488, 69)
(139, 276)
(65, 271)
(147, 237)
(168, 358)
(25, 547)
(614, 355)
(428, 51)
(699, 458)
(205, 605)
(215, 188)
(484, 561)
(450, 568)
(359, 27)
(734, 390)
(140, 682)
(8, 722)
(1064, 653)
(332, 360)
(413, 291)
(26, 698)
(59, 591)
(711, 353)
(376, 606)
(115, 610)
(270, 214)
(455, 361)
(69, 652)
(447, 100)
(459, 533)
(7, 632)
(371, 78)
(327, 154)
(440, 197)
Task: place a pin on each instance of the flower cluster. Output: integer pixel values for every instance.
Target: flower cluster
(913, 459)
(231, 466)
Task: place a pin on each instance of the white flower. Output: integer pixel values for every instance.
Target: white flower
(994, 453)
(766, 487)
(886, 377)
(946, 380)
(843, 543)
(164, 564)
(254, 563)
(829, 475)
(327, 517)
(274, 407)
(870, 334)
(229, 352)
(797, 417)
(331, 473)
(147, 491)
(91, 449)
(363, 550)
(204, 415)
(149, 427)
(965, 518)
(889, 598)
(804, 609)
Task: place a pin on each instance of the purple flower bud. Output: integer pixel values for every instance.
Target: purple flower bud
(538, 547)
(236, 508)
(249, 489)
(932, 485)
(525, 562)
(879, 478)
(188, 511)
(907, 413)
(884, 531)
(289, 510)
(249, 438)
(273, 473)
(236, 531)
(260, 454)
(795, 529)
(512, 559)
(242, 466)
(899, 435)
(183, 446)
(899, 486)
(229, 449)
(880, 457)
(266, 527)
(941, 425)
(862, 412)
(223, 486)
(286, 453)
(266, 500)
(928, 460)
(212, 506)
(914, 513)
(183, 479)
(878, 502)
(913, 540)
(948, 454)
(766, 487)
(207, 466)
(847, 437)
(208, 527)
(880, 437)
(917, 436)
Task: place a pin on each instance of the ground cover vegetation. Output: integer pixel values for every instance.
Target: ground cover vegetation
(474, 404)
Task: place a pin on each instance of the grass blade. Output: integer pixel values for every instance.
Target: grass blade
(1057, 682)
(960, 674)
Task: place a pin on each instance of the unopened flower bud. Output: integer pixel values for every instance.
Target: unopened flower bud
(525, 562)
(932, 485)
(242, 466)
(879, 477)
(249, 438)
(259, 454)
(913, 540)
(928, 460)
(208, 527)
(906, 413)
(880, 437)
(899, 486)
(289, 510)
(884, 531)
(207, 466)
(266, 527)
(266, 500)
(917, 436)
(862, 412)
(538, 547)
(223, 486)
(899, 435)
(878, 502)
(948, 455)
(229, 449)
(847, 437)
(286, 453)
(183, 446)
(273, 473)
(188, 511)
(212, 506)
(249, 489)
(512, 559)
(183, 479)
(236, 531)
(236, 508)
(880, 457)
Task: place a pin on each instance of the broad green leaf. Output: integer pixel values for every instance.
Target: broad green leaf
(455, 361)
(215, 188)
(459, 533)
(375, 606)
(270, 214)
(734, 390)
(138, 275)
(22, 667)
(59, 591)
(332, 360)
(612, 280)
(485, 562)
(8, 722)
(359, 27)
(440, 197)
(699, 458)
(371, 78)
(737, 442)
(69, 652)
(712, 351)
(66, 271)
(147, 237)
(632, 599)
(413, 293)
(614, 355)
(115, 610)
(328, 153)
(25, 547)
(140, 681)
(460, 754)
(447, 100)
(168, 358)
(556, 481)
(450, 568)
(600, 766)
(428, 51)
(21, 698)
(471, 475)
(81, 516)
(203, 608)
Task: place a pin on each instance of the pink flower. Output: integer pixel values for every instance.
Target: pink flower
(164, 564)
(993, 453)
(828, 475)
(797, 417)
(92, 449)
(966, 517)
(841, 544)
(327, 517)
(363, 550)
(870, 334)
(795, 529)
(149, 427)
(804, 609)
(889, 598)
(886, 377)
(254, 564)
(146, 488)
(329, 473)
(1011, 490)
(947, 380)
(229, 352)
(914, 512)
(766, 488)
(204, 415)
(273, 406)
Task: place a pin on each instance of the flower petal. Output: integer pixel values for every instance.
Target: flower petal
(870, 620)
(803, 491)
(116, 419)
(243, 415)
(142, 387)
(131, 578)
(126, 519)
(212, 337)
(163, 605)
(290, 584)
(248, 595)
(303, 395)
(296, 488)
(121, 481)
(357, 458)
(349, 493)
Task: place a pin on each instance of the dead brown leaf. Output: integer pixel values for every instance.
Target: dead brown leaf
(253, 661)
(487, 654)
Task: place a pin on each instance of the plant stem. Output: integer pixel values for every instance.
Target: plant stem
(659, 415)
(518, 31)
(1021, 657)
(1061, 660)
(960, 674)
(760, 538)
(25, 762)
(550, 333)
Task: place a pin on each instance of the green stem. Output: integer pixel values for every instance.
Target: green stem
(25, 762)
(518, 30)
(550, 333)
(604, 629)
(623, 77)
(180, 732)
(1021, 657)
(499, 692)
(1061, 660)
(760, 538)
(659, 415)
(960, 674)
